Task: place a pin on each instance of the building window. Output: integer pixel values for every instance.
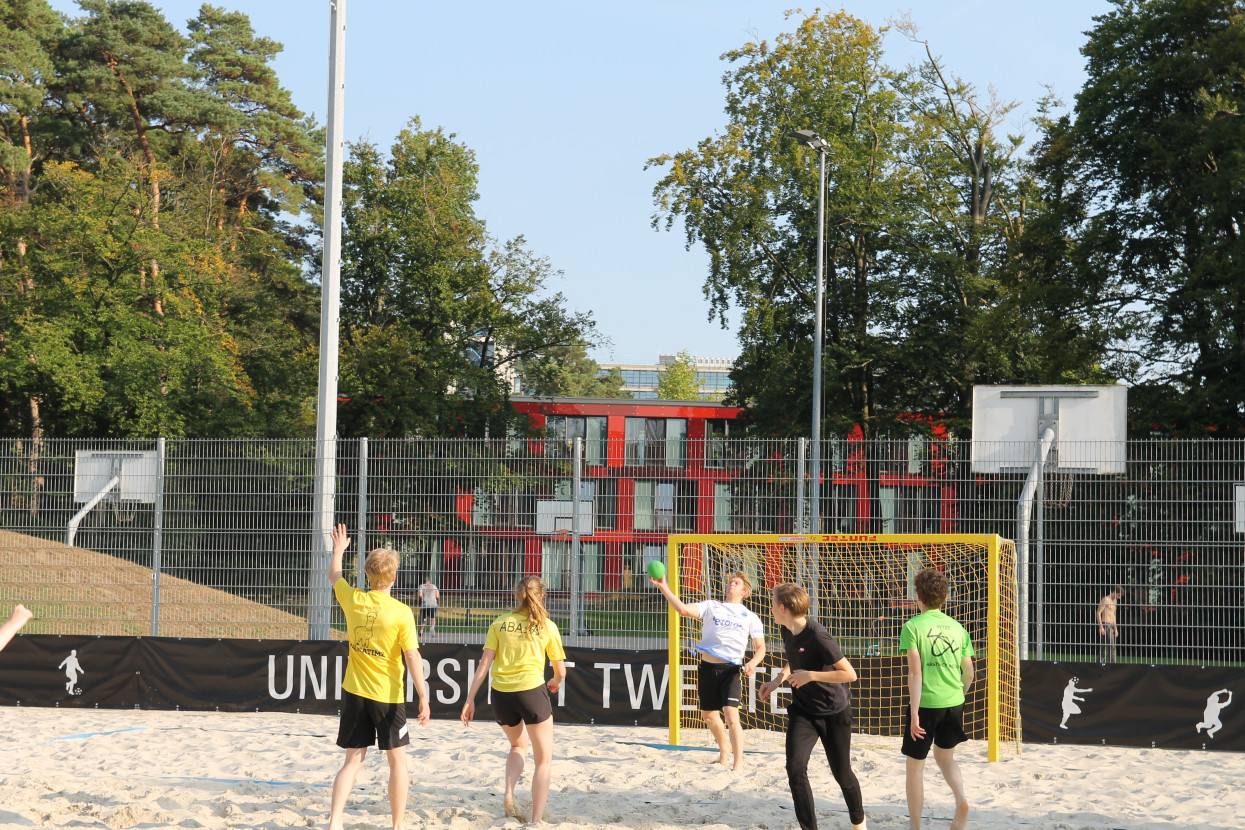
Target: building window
(514, 508)
(564, 429)
(909, 509)
(556, 571)
(717, 433)
(722, 520)
(657, 442)
(607, 503)
(665, 506)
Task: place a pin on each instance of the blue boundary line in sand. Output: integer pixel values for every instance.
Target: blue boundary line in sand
(85, 735)
(690, 748)
(241, 781)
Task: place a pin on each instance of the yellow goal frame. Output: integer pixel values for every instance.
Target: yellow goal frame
(993, 543)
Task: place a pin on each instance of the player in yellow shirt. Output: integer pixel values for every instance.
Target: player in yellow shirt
(516, 647)
(382, 637)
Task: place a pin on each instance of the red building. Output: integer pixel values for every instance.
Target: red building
(649, 468)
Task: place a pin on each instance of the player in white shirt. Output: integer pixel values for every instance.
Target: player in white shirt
(428, 601)
(726, 629)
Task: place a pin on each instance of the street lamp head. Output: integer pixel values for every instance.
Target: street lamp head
(810, 139)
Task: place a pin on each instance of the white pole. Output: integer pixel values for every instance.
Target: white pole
(361, 522)
(814, 512)
(319, 593)
(1024, 513)
(157, 541)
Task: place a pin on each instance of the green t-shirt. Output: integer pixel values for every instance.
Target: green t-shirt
(943, 644)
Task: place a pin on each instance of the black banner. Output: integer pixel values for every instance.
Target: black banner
(1177, 707)
(603, 686)
(82, 672)
(1183, 707)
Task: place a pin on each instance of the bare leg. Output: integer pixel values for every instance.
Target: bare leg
(542, 759)
(399, 784)
(713, 720)
(951, 772)
(517, 735)
(737, 735)
(915, 785)
(342, 785)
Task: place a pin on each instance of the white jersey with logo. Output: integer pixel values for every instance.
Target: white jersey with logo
(727, 628)
(428, 595)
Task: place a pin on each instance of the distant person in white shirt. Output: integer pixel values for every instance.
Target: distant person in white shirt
(726, 629)
(428, 599)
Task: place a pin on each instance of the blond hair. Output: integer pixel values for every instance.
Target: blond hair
(793, 597)
(382, 567)
(529, 597)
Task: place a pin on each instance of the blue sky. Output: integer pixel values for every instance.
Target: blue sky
(563, 102)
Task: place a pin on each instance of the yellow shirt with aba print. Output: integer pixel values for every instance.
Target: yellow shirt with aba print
(379, 628)
(520, 661)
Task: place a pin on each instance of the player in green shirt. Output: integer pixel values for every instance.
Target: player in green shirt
(940, 672)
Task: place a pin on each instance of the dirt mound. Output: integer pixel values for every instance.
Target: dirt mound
(78, 591)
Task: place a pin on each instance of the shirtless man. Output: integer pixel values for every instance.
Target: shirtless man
(1108, 631)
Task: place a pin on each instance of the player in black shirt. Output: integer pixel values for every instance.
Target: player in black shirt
(821, 704)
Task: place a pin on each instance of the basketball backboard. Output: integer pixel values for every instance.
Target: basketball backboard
(555, 517)
(1090, 427)
(139, 473)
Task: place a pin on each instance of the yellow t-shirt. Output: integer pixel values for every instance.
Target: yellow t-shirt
(520, 661)
(379, 628)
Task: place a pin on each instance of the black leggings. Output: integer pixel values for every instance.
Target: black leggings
(835, 733)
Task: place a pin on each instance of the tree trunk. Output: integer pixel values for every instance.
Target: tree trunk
(24, 191)
(36, 448)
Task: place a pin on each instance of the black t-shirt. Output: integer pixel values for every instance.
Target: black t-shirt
(813, 649)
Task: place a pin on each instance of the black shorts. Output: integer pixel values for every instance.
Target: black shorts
(944, 728)
(365, 722)
(531, 706)
(719, 685)
(428, 612)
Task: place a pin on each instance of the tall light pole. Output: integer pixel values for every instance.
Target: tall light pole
(319, 595)
(810, 139)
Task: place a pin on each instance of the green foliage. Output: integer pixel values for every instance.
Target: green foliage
(924, 216)
(151, 248)
(28, 31)
(567, 371)
(678, 381)
(433, 311)
(1160, 133)
(109, 347)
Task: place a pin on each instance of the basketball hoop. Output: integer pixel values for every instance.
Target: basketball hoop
(1057, 488)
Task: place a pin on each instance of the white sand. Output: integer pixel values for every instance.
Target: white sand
(122, 769)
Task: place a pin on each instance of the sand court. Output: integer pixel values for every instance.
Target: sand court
(148, 769)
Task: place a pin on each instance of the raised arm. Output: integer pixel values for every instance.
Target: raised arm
(20, 616)
(341, 541)
(675, 603)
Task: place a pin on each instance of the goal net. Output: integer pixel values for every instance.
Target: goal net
(860, 589)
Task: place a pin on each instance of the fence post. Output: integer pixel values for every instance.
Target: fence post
(801, 472)
(576, 565)
(361, 553)
(157, 539)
